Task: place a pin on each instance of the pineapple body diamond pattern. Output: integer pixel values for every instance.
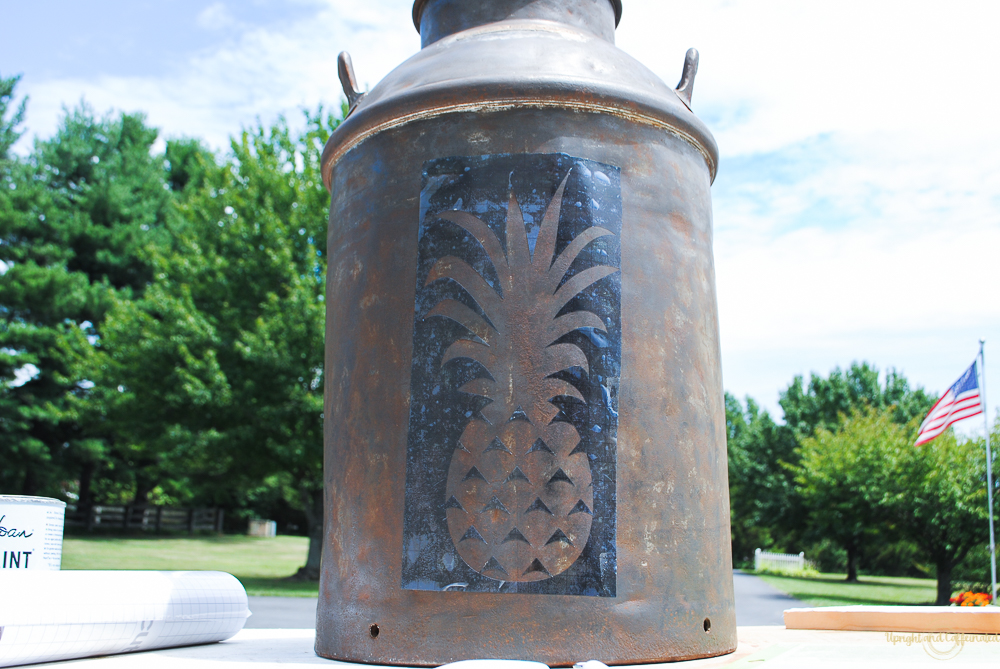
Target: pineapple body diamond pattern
(511, 455)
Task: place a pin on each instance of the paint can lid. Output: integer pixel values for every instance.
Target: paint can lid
(25, 499)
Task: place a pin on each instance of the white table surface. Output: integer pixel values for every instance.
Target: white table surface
(772, 647)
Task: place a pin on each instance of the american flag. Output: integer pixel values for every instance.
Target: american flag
(961, 401)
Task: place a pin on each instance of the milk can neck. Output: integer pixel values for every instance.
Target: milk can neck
(436, 19)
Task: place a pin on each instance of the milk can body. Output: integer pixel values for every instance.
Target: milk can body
(525, 429)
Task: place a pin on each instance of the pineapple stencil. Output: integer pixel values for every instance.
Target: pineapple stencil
(517, 301)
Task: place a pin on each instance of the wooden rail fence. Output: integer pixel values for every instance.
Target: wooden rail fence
(147, 518)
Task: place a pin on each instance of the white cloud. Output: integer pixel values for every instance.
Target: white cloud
(780, 71)
(215, 17)
(262, 73)
(887, 256)
(858, 200)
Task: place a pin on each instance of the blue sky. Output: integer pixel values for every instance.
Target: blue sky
(131, 37)
(857, 207)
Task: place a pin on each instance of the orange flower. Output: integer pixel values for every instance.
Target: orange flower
(970, 598)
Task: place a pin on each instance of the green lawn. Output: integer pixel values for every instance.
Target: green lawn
(260, 564)
(263, 564)
(832, 590)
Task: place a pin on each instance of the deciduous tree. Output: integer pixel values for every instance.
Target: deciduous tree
(221, 360)
(845, 478)
(823, 402)
(762, 494)
(939, 498)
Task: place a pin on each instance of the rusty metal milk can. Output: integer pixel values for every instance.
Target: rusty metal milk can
(525, 432)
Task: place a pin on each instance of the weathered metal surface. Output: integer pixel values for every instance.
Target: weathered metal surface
(438, 19)
(525, 433)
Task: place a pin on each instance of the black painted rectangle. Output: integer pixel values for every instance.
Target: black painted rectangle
(512, 446)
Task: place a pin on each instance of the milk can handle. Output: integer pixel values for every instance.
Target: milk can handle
(345, 68)
(686, 87)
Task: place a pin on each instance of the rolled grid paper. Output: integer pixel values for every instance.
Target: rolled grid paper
(48, 616)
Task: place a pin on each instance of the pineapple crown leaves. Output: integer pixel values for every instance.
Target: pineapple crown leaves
(517, 339)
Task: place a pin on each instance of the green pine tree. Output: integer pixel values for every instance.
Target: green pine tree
(78, 217)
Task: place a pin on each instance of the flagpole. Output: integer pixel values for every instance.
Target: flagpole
(989, 473)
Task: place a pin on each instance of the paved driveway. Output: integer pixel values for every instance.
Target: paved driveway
(282, 613)
(757, 603)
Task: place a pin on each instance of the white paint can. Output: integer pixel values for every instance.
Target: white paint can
(31, 532)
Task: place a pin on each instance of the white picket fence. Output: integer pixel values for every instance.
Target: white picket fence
(778, 561)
